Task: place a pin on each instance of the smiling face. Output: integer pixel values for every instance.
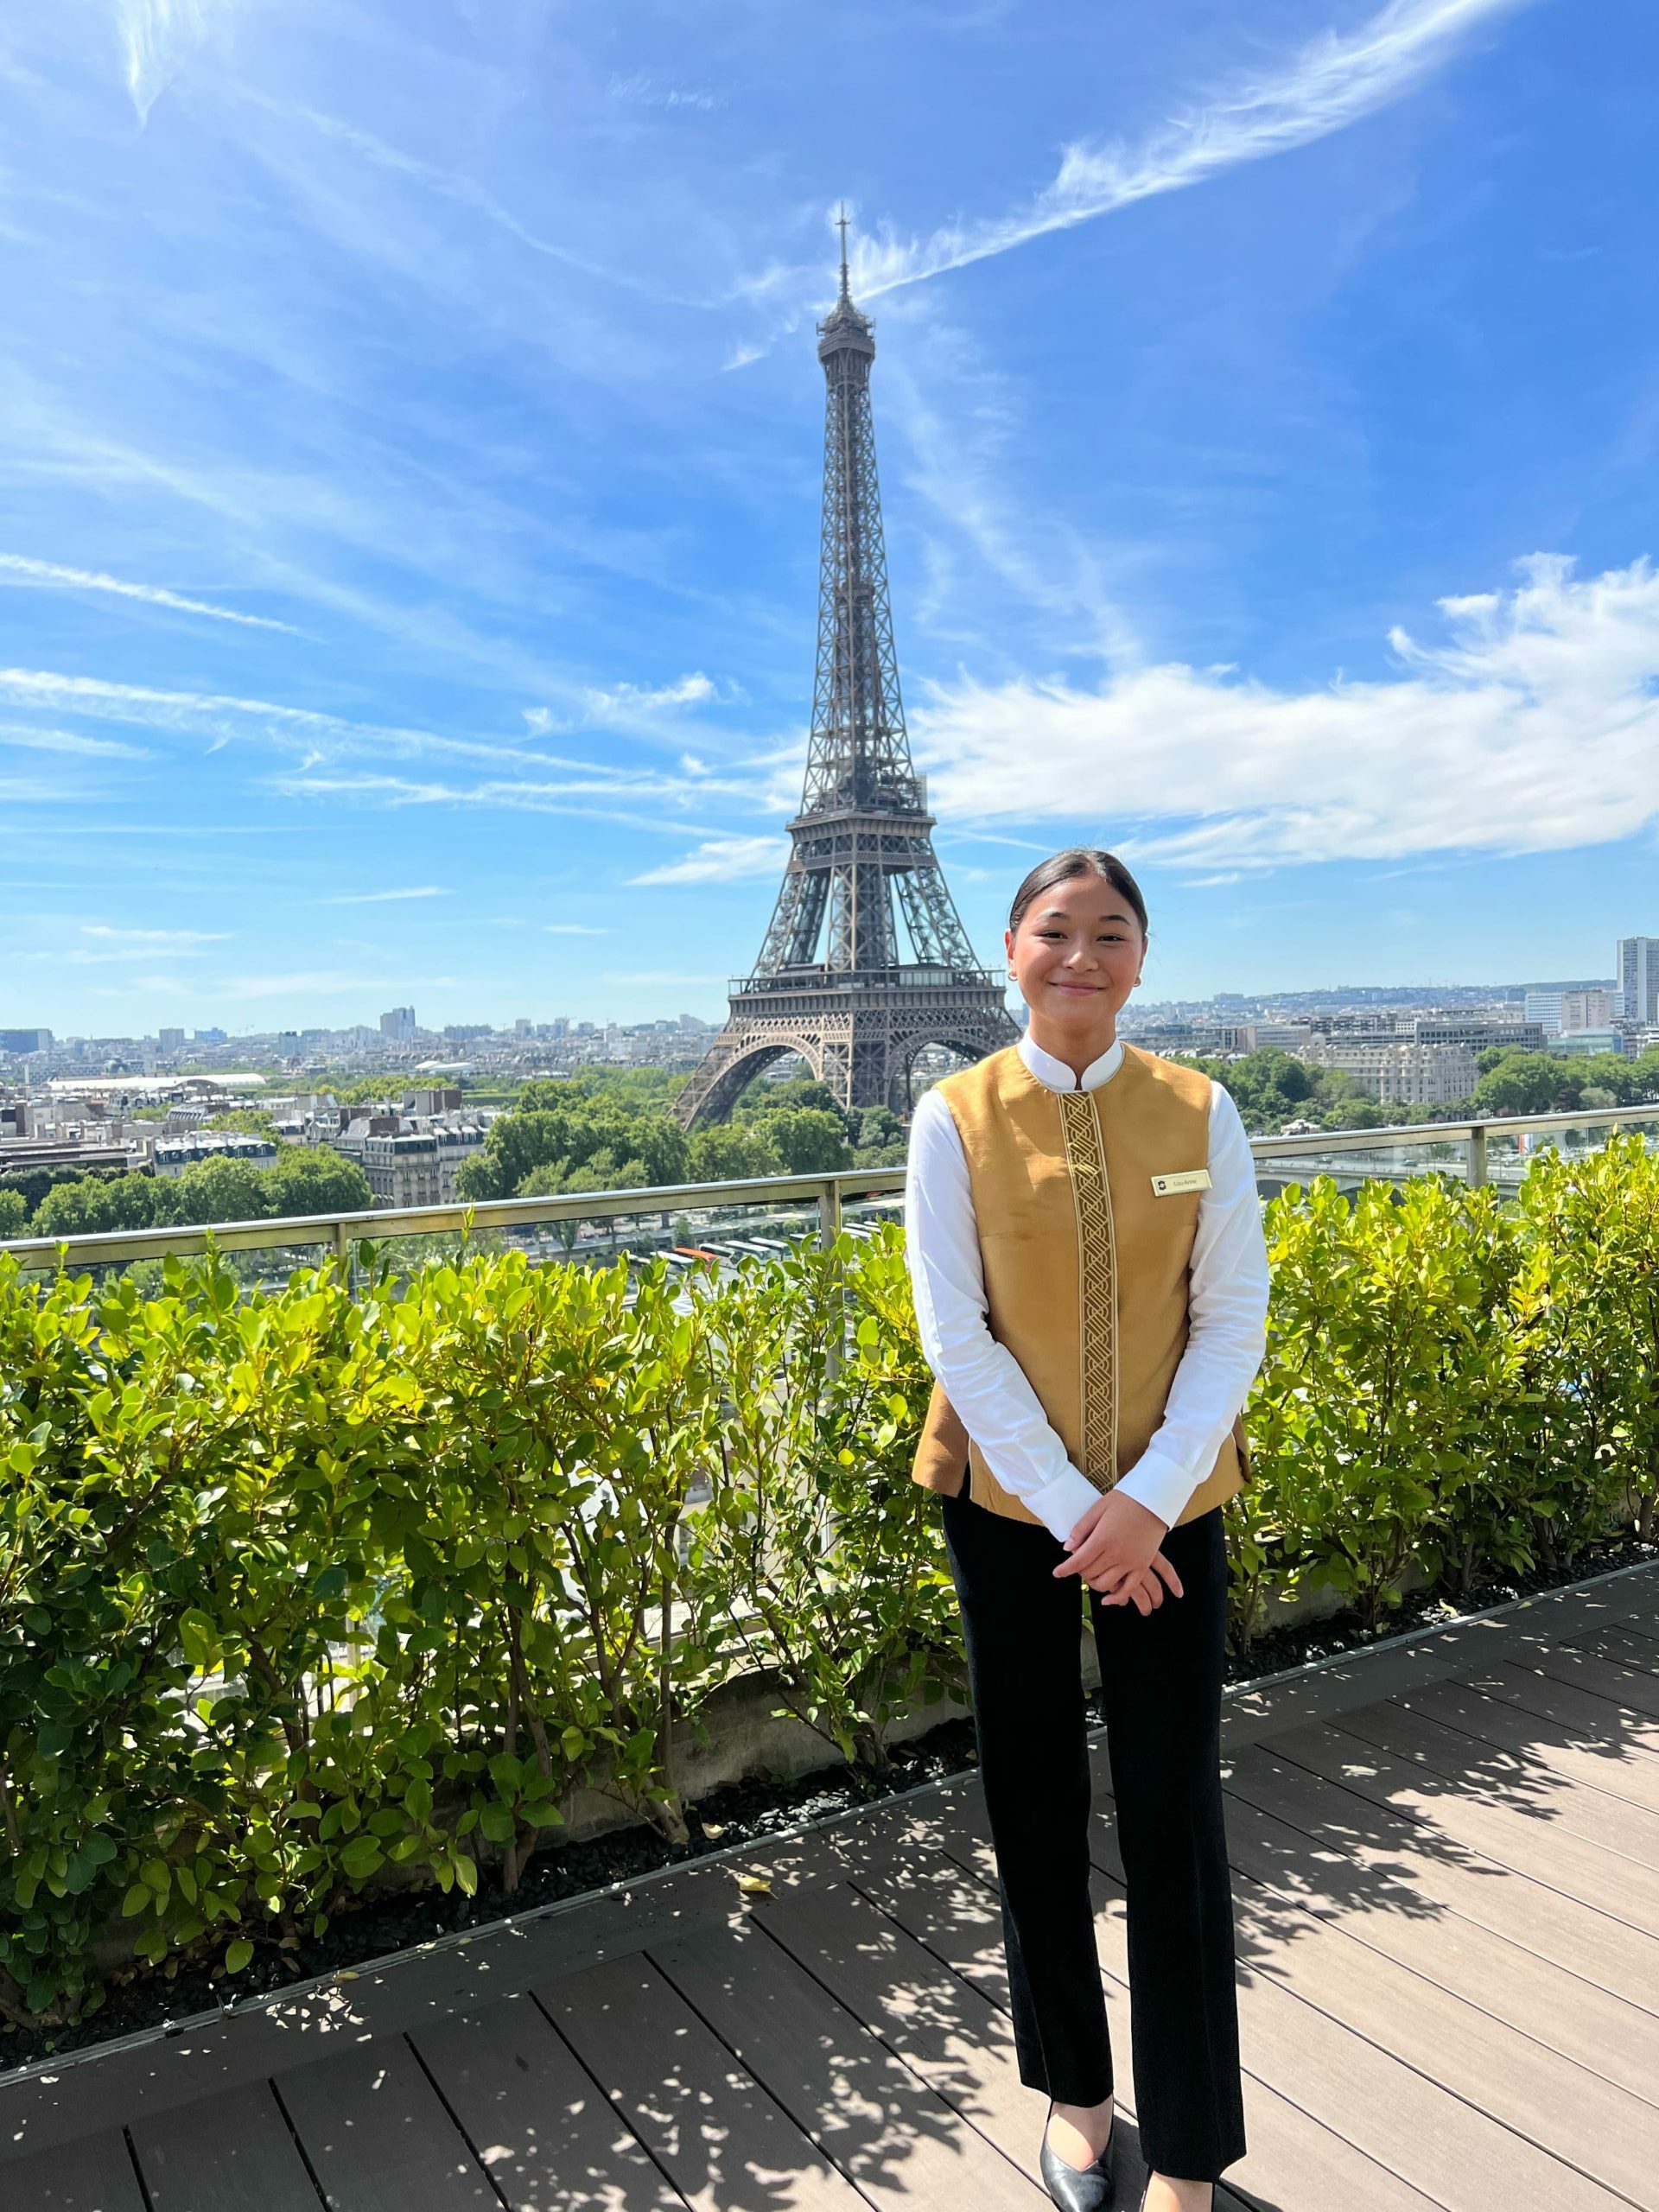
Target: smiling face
(1076, 956)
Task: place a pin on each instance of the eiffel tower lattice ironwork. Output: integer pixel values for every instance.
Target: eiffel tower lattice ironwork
(833, 983)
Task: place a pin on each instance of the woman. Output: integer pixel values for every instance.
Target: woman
(1092, 1285)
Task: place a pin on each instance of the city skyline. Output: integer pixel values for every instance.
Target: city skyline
(406, 592)
(548, 1025)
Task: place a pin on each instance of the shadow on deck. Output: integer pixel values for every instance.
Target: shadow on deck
(1446, 1871)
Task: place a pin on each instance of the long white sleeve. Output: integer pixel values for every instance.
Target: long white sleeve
(986, 1384)
(1227, 1313)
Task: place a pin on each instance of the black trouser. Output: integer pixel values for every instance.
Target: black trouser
(1162, 1676)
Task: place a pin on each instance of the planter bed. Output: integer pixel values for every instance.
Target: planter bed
(742, 1812)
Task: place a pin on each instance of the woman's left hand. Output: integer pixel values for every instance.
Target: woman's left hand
(1144, 1591)
(1114, 1547)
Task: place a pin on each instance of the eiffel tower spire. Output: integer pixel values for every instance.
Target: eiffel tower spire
(836, 979)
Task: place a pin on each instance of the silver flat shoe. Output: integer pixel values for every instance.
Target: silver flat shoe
(1078, 2188)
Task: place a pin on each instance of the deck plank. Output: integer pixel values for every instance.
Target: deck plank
(1566, 2110)
(1423, 2134)
(939, 1885)
(1576, 1755)
(1626, 1643)
(1569, 2111)
(1407, 1861)
(1520, 1784)
(1556, 2008)
(94, 2175)
(1569, 1705)
(946, 2030)
(537, 2123)
(894, 2137)
(1636, 1689)
(230, 2153)
(377, 2137)
(1622, 1888)
(720, 2138)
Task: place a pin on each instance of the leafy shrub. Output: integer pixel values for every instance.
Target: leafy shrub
(305, 1590)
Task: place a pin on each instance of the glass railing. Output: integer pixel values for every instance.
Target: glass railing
(725, 1221)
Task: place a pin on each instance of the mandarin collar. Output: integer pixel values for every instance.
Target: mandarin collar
(1054, 1074)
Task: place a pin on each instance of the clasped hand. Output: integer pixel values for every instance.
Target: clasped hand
(1114, 1548)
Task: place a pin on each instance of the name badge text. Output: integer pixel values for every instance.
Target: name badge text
(1191, 1178)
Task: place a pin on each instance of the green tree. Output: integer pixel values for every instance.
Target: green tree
(603, 1172)
(98, 1205)
(809, 1141)
(14, 1214)
(216, 1189)
(515, 1146)
(33, 1183)
(370, 1091)
(307, 1179)
(563, 1127)
(876, 1128)
(1360, 1113)
(764, 1095)
(724, 1152)
(247, 1121)
(1520, 1083)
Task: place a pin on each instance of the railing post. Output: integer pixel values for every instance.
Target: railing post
(829, 1230)
(1475, 1173)
(829, 1216)
(344, 1251)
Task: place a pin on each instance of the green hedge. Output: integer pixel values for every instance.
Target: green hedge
(301, 1593)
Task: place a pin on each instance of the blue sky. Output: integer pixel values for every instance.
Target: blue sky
(410, 427)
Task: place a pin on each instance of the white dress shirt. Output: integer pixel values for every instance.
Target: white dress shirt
(1227, 1306)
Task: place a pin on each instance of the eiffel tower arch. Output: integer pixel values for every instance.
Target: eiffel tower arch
(865, 961)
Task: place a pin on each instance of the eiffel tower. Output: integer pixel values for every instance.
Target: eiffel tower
(833, 983)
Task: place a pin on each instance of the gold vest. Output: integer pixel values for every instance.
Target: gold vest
(1086, 1266)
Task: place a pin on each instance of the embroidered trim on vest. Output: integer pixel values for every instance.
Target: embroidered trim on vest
(1085, 1157)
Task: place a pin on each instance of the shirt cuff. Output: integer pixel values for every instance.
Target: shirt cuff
(1161, 1484)
(1060, 1505)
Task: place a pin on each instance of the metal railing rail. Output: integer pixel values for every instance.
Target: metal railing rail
(826, 1195)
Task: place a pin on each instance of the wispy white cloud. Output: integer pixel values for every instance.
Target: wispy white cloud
(723, 859)
(618, 800)
(153, 937)
(382, 898)
(72, 742)
(223, 719)
(645, 92)
(157, 36)
(467, 192)
(572, 929)
(15, 567)
(117, 948)
(957, 416)
(1331, 82)
(1531, 725)
(1334, 80)
(636, 708)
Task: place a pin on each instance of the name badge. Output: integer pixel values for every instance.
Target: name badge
(1191, 1178)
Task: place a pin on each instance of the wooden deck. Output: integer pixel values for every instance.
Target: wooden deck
(1447, 1865)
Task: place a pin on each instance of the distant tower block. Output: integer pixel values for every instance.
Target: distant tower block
(836, 983)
